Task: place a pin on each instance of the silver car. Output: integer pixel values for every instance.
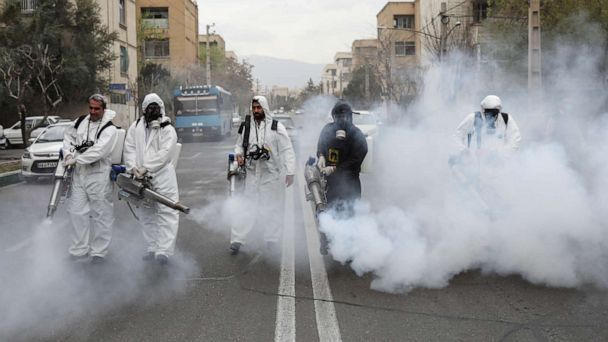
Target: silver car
(41, 158)
(13, 133)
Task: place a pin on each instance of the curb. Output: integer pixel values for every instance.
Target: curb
(9, 178)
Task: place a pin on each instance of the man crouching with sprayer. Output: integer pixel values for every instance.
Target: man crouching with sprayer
(150, 145)
(87, 148)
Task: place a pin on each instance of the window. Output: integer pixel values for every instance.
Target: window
(480, 10)
(122, 16)
(405, 48)
(28, 6)
(118, 98)
(403, 21)
(124, 60)
(155, 17)
(156, 48)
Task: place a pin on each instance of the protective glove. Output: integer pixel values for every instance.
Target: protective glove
(140, 172)
(321, 162)
(69, 161)
(328, 170)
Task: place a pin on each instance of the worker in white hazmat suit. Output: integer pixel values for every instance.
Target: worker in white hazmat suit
(490, 129)
(87, 147)
(267, 154)
(147, 152)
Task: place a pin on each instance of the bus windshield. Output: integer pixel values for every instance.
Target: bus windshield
(196, 105)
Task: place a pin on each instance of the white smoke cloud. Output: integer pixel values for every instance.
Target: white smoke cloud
(537, 213)
(44, 293)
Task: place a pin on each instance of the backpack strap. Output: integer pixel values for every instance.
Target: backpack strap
(165, 124)
(108, 124)
(505, 117)
(246, 134)
(274, 125)
(137, 122)
(79, 120)
(478, 123)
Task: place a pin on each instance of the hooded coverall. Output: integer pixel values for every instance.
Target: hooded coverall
(152, 148)
(91, 186)
(264, 186)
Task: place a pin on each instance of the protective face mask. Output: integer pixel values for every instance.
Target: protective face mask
(152, 113)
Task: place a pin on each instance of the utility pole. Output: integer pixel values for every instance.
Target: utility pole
(534, 51)
(445, 19)
(208, 55)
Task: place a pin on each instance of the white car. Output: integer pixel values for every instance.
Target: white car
(293, 131)
(41, 158)
(3, 141)
(13, 134)
(368, 123)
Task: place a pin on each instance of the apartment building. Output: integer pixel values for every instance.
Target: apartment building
(231, 55)
(169, 32)
(399, 32)
(343, 62)
(329, 80)
(120, 16)
(215, 41)
(364, 51)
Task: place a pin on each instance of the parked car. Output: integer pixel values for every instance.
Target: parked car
(292, 130)
(368, 123)
(3, 141)
(13, 134)
(41, 158)
(236, 120)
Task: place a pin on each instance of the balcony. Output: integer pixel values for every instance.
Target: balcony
(151, 23)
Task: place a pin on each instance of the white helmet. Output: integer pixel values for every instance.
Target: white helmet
(491, 102)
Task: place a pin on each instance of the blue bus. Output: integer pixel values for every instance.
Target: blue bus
(202, 111)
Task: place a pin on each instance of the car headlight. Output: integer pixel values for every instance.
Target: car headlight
(26, 155)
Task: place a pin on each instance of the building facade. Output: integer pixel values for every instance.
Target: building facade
(329, 80)
(120, 16)
(364, 51)
(398, 32)
(343, 62)
(169, 32)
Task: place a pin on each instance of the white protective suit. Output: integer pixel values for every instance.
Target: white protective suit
(505, 136)
(265, 182)
(91, 186)
(151, 148)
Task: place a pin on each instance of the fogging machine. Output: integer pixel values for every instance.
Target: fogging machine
(62, 186)
(138, 191)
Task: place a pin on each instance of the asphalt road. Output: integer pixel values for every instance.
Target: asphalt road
(207, 295)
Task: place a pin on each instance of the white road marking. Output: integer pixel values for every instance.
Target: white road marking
(192, 157)
(325, 312)
(285, 329)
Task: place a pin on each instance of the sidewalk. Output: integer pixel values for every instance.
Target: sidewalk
(10, 172)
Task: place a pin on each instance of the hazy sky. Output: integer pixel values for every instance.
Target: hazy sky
(309, 31)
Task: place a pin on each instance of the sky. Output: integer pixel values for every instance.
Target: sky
(309, 31)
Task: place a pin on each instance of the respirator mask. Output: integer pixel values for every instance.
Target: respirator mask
(491, 115)
(341, 121)
(84, 146)
(256, 152)
(152, 115)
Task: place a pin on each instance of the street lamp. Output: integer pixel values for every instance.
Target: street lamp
(444, 39)
(208, 55)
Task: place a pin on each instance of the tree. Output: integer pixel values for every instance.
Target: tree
(562, 22)
(309, 91)
(70, 45)
(364, 88)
